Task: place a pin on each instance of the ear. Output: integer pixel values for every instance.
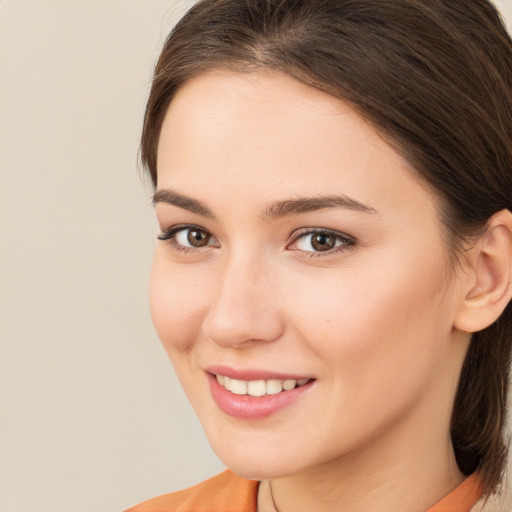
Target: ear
(487, 283)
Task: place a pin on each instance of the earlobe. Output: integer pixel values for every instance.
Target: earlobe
(488, 282)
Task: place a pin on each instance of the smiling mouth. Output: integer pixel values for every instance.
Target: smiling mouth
(258, 388)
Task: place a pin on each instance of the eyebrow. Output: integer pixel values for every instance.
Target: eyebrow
(275, 211)
(311, 204)
(187, 203)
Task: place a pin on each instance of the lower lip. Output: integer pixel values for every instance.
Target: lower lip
(251, 407)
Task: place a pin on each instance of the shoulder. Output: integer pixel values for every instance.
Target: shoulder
(463, 498)
(225, 492)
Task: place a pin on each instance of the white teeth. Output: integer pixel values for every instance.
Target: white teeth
(238, 387)
(274, 386)
(259, 387)
(289, 384)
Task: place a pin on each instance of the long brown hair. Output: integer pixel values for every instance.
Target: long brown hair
(434, 77)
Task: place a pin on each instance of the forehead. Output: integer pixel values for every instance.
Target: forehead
(266, 135)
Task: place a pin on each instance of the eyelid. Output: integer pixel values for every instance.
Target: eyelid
(168, 234)
(348, 241)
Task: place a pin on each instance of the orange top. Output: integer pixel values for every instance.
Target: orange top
(222, 493)
(229, 493)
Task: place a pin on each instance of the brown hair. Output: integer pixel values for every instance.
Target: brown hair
(435, 78)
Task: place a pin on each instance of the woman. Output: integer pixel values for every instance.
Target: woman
(332, 277)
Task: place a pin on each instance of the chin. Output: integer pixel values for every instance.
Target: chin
(257, 470)
(256, 462)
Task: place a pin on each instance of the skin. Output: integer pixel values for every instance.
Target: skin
(372, 320)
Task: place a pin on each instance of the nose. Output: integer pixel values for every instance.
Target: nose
(245, 307)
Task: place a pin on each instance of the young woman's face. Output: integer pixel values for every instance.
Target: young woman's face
(297, 249)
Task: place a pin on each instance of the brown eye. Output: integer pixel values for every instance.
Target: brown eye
(320, 241)
(198, 237)
(191, 237)
(323, 241)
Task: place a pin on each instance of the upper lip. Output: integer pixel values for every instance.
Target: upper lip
(253, 374)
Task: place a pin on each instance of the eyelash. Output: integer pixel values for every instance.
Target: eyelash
(347, 242)
(169, 236)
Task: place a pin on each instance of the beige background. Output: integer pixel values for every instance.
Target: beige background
(92, 417)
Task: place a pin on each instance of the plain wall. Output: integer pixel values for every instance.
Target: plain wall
(93, 419)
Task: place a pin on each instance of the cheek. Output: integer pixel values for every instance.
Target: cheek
(176, 305)
(380, 324)
(381, 344)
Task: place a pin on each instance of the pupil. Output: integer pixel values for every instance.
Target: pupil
(322, 242)
(197, 238)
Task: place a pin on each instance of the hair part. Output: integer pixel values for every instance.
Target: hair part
(435, 79)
